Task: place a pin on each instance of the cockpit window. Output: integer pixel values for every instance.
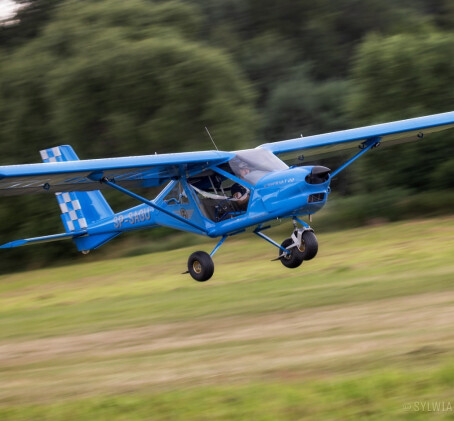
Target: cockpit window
(220, 198)
(252, 164)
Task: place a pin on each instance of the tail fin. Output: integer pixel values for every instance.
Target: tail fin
(79, 209)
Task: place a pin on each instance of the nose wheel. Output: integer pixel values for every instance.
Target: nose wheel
(302, 245)
(293, 258)
(309, 245)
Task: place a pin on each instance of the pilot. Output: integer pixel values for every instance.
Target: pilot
(241, 195)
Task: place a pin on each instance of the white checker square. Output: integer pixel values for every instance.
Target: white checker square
(64, 208)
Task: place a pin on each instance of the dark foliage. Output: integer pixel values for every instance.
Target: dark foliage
(114, 78)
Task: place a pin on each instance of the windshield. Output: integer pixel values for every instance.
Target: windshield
(252, 164)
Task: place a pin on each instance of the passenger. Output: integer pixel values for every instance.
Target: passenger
(244, 170)
(250, 175)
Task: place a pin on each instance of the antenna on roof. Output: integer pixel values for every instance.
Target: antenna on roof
(209, 134)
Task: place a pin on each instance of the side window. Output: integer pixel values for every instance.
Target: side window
(176, 196)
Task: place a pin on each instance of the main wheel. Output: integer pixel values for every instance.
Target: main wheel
(310, 244)
(200, 266)
(294, 258)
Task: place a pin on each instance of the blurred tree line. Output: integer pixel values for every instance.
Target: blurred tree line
(116, 78)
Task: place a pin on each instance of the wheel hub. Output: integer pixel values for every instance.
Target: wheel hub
(197, 266)
(287, 256)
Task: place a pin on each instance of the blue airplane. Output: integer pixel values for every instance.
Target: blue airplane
(212, 193)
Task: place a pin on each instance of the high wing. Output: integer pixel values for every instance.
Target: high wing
(305, 149)
(133, 171)
(153, 170)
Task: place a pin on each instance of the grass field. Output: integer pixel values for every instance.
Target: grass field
(364, 331)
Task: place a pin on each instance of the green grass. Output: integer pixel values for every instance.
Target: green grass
(357, 265)
(358, 332)
(391, 394)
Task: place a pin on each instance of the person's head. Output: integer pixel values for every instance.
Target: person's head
(244, 172)
(243, 169)
(237, 190)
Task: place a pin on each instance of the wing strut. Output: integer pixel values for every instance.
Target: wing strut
(365, 146)
(104, 180)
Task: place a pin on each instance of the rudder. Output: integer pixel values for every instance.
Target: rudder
(79, 209)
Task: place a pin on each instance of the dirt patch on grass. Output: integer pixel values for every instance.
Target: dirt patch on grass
(233, 348)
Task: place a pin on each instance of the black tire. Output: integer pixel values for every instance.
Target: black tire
(200, 266)
(310, 245)
(292, 260)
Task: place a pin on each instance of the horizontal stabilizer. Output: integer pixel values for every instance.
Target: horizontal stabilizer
(44, 239)
(90, 242)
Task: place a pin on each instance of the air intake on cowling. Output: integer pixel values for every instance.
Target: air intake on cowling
(318, 175)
